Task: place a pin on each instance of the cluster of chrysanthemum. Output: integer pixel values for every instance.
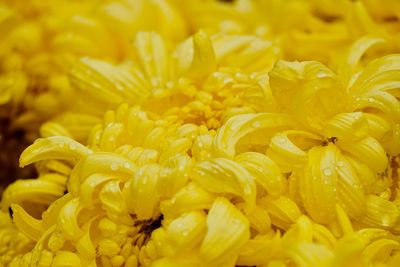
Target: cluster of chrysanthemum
(203, 133)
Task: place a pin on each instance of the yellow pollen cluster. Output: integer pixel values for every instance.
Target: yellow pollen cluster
(200, 133)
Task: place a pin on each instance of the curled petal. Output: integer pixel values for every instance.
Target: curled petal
(260, 250)
(239, 126)
(318, 185)
(378, 126)
(283, 211)
(357, 50)
(110, 136)
(226, 176)
(187, 231)
(68, 220)
(227, 232)
(66, 259)
(380, 250)
(308, 90)
(309, 254)
(175, 174)
(33, 191)
(51, 214)
(259, 218)
(91, 185)
(101, 162)
(289, 148)
(204, 61)
(350, 191)
(300, 232)
(31, 227)
(55, 147)
(191, 197)
(153, 57)
(142, 192)
(265, 171)
(347, 126)
(380, 213)
(114, 203)
(108, 83)
(368, 151)
(324, 236)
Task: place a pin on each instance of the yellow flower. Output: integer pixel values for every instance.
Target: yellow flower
(261, 140)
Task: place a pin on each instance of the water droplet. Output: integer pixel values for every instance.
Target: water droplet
(327, 172)
(247, 190)
(371, 100)
(173, 200)
(72, 146)
(180, 225)
(386, 221)
(111, 138)
(235, 221)
(234, 126)
(340, 163)
(185, 233)
(281, 140)
(170, 84)
(114, 166)
(256, 124)
(61, 144)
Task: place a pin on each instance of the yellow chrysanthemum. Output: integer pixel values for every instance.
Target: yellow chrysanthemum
(40, 43)
(261, 140)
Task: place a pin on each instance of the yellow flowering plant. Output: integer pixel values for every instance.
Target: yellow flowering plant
(244, 133)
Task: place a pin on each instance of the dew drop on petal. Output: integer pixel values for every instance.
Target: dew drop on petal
(114, 166)
(327, 171)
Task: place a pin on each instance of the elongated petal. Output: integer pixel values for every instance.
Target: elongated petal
(240, 126)
(308, 90)
(350, 191)
(259, 218)
(227, 232)
(289, 148)
(102, 162)
(380, 250)
(114, 203)
(187, 231)
(31, 227)
(189, 198)
(152, 53)
(309, 254)
(142, 192)
(68, 220)
(347, 126)
(56, 147)
(105, 82)
(318, 185)
(283, 211)
(265, 171)
(368, 151)
(260, 250)
(91, 185)
(380, 213)
(204, 61)
(66, 259)
(226, 176)
(31, 191)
